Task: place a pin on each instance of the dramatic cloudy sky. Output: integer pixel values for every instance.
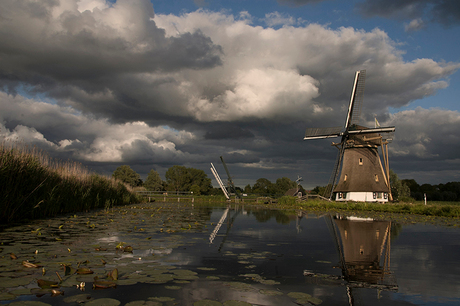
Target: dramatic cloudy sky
(153, 83)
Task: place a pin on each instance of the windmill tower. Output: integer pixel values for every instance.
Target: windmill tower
(363, 177)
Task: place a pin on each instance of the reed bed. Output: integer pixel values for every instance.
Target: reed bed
(33, 185)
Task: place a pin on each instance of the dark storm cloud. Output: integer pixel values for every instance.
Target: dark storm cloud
(42, 46)
(445, 12)
(226, 131)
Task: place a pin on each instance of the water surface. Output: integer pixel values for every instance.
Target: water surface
(184, 255)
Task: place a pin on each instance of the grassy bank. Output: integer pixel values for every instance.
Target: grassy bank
(32, 185)
(444, 209)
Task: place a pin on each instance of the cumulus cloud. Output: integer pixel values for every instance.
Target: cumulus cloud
(125, 85)
(414, 25)
(88, 139)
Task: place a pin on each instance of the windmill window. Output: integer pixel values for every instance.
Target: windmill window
(376, 176)
(345, 178)
(360, 161)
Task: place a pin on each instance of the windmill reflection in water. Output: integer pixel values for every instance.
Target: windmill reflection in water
(361, 243)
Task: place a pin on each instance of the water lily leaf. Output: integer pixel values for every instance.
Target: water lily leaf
(13, 256)
(42, 283)
(270, 292)
(69, 270)
(162, 298)
(299, 295)
(100, 284)
(173, 287)
(23, 291)
(128, 249)
(207, 303)
(113, 274)
(84, 271)
(6, 296)
(206, 269)
(103, 302)
(79, 298)
(29, 303)
(236, 303)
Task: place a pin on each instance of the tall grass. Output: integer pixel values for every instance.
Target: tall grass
(33, 185)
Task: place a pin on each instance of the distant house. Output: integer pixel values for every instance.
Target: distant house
(294, 192)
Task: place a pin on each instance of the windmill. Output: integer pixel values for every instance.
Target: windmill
(362, 176)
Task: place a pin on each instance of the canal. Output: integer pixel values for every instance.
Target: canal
(184, 254)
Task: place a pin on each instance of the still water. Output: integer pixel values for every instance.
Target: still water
(177, 254)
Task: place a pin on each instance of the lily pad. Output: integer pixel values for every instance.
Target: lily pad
(173, 287)
(270, 292)
(207, 303)
(236, 303)
(162, 298)
(29, 303)
(144, 303)
(103, 302)
(6, 296)
(79, 298)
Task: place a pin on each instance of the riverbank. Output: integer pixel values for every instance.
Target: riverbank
(33, 185)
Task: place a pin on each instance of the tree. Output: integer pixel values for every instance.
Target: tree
(180, 178)
(284, 184)
(153, 181)
(195, 189)
(177, 178)
(399, 189)
(198, 177)
(247, 189)
(127, 175)
(262, 186)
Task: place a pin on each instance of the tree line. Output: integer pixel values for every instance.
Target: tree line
(180, 178)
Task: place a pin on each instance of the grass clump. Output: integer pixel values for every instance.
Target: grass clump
(33, 186)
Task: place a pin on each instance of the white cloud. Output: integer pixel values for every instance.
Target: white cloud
(414, 25)
(258, 93)
(98, 140)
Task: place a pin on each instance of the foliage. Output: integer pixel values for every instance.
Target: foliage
(284, 184)
(398, 188)
(33, 185)
(263, 186)
(153, 181)
(127, 175)
(287, 200)
(180, 178)
(195, 189)
(441, 192)
(247, 189)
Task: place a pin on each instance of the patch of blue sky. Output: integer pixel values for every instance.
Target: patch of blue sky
(28, 92)
(167, 127)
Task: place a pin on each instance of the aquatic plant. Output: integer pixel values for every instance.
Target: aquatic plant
(33, 185)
